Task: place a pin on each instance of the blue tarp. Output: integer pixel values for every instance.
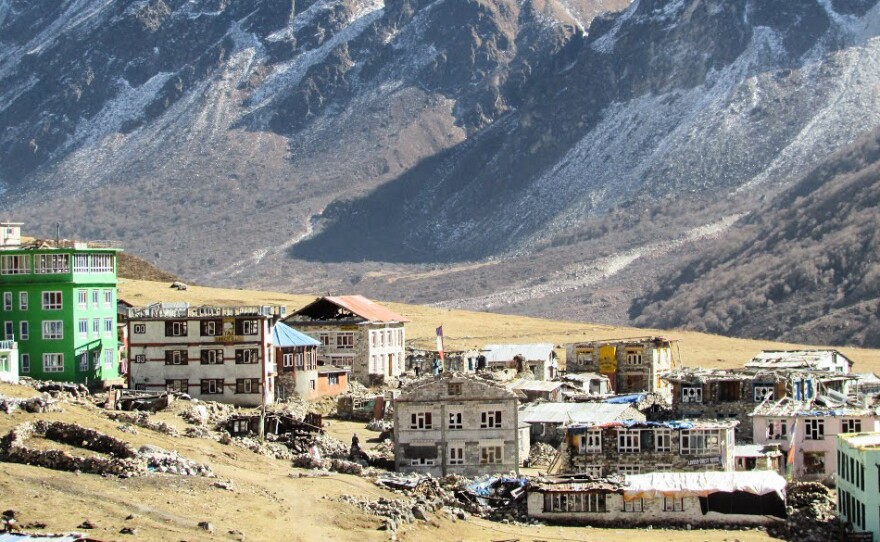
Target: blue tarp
(484, 489)
(674, 424)
(621, 399)
(284, 336)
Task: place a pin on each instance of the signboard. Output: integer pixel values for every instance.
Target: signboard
(704, 460)
(227, 334)
(607, 359)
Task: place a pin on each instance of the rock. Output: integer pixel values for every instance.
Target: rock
(87, 525)
(206, 526)
(128, 530)
(419, 513)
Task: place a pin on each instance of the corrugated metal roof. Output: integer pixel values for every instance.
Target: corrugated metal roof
(285, 336)
(534, 385)
(794, 359)
(506, 352)
(754, 450)
(582, 413)
(366, 308)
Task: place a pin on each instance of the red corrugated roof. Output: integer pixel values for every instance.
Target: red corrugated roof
(366, 308)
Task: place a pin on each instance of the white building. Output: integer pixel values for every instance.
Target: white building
(356, 334)
(540, 359)
(830, 361)
(810, 428)
(9, 361)
(221, 354)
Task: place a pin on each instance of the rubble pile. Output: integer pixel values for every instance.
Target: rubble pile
(381, 426)
(120, 459)
(811, 514)
(383, 451)
(394, 511)
(330, 447)
(270, 449)
(295, 408)
(142, 419)
(207, 413)
(56, 389)
(541, 454)
(159, 460)
(197, 432)
(43, 403)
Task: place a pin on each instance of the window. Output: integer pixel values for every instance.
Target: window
(763, 392)
(850, 425)
(691, 394)
(635, 505)
(299, 360)
(312, 385)
(181, 385)
(250, 327)
(140, 387)
(453, 388)
(247, 355)
(287, 359)
(325, 339)
(23, 301)
(814, 462)
(491, 455)
(490, 419)
(51, 301)
(140, 358)
(82, 327)
(25, 360)
(634, 356)
(15, 265)
(247, 385)
(52, 264)
(53, 363)
(455, 421)
(212, 356)
(96, 327)
(175, 328)
(211, 328)
(700, 441)
(575, 502)
(594, 471)
(8, 331)
(24, 330)
(139, 329)
(80, 263)
(628, 440)
(53, 329)
(777, 429)
(7, 301)
(176, 357)
(108, 298)
(109, 356)
(212, 386)
(628, 469)
(815, 428)
(108, 327)
(95, 296)
(456, 455)
(345, 340)
(422, 462)
(420, 420)
(101, 263)
(82, 298)
(333, 379)
(673, 504)
(664, 440)
(591, 442)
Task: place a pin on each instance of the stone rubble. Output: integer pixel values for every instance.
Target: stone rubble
(142, 419)
(36, 405)
(811, 514)
(159, 460)
(541, 453)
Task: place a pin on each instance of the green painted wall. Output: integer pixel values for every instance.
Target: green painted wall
(101, 347)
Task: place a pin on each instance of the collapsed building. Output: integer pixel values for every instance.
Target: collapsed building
(548, 421)
(540, 359)
(426, 362)
(458, 425)
(635, 447)
(631, 365)
(682, 498)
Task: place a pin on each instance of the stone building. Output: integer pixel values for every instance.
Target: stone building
(548, 421)
(423, 362)
(806, 431)
(540, 359)
(631, 365)
(221, 354)
(667, 498)
(639, 447)
(356, 334)
(456, 425)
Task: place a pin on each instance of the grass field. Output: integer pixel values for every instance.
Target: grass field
(465, 329)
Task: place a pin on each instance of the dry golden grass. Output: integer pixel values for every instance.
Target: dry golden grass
(466, 329)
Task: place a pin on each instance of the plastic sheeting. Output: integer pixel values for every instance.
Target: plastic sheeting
(701, 484)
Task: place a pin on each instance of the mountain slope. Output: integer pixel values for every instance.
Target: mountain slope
(806, 268)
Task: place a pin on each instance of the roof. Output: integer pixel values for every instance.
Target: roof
(677, 425)
(795, 359)
(359, 305)
(755, 450)
(506, 352)
(535, 385)
(861, 440)
(564, 413)
(789, 407)
(584, 377)
(285, 336)
(701, 484)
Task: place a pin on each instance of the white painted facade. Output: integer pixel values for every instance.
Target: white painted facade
(225, 357)
(9, 361)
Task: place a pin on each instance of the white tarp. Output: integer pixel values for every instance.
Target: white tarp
(701, 484)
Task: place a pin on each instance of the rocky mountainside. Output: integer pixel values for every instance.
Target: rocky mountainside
(804, 268)
(551, 157)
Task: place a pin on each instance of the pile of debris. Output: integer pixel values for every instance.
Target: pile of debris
(381, 426)
(43, 403)
(142, 419)
(811, 514)
(159, 460)
(541, 454)
(208, 413)
(267, 448)
(395, 512)
(56, 389)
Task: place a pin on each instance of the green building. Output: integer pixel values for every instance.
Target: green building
(858, 482)
(59, 304)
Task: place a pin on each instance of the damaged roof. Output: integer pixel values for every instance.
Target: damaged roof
(821, 406)
(535, 385)
(579, 413)
(506, 352)
(356, 305)
(796, 359)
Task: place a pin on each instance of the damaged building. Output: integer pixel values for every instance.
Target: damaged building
(357, 334)
(635, 447)
(631, 365)
(424, 362)
(669, 498)
(807, 430)
(458, 425)
(539, 359)
(548, 421)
